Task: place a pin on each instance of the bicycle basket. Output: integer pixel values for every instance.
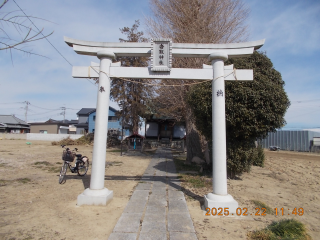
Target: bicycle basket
(68, 156)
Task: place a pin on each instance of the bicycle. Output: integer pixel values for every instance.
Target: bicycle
(81, 165)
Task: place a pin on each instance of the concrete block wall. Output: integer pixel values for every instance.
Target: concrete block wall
(17, 136)
(51, 137)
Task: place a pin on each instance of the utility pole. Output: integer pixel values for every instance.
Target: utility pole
(63, 113)
(122, 128)
(123, 115)
(26, 108)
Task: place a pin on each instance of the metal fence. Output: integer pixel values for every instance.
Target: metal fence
(301, 140)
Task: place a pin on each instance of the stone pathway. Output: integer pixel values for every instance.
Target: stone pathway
(157, 208)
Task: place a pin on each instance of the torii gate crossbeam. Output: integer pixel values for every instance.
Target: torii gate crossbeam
(217, 54)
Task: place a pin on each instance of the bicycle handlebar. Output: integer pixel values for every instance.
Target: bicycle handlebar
(75, 149)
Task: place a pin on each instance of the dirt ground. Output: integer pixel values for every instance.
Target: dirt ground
(289, 180)
(33, 205)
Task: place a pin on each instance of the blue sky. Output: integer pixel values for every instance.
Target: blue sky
(291, 29)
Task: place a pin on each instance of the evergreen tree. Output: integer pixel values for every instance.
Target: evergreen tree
(132, 94)
(253, 109)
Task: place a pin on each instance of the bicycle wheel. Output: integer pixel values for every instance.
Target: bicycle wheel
(63, 172)
(83, 167)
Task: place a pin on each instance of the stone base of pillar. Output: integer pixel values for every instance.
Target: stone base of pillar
(95, 197)
(220, 201)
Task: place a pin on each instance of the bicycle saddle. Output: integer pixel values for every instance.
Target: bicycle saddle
(79, 155)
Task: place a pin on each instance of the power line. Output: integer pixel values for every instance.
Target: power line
(12, 103)
(26, 108)
(44, 112)
(41, 33)
(53, 109)
(43, 108)
(284, 128)
(308, 113)
(63, 113)
(47, 39)
(311, 100)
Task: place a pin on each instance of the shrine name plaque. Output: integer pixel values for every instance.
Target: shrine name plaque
(161, 54)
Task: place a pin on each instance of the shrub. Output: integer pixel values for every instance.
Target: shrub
(66, 141)
(86, 139)
(259, 159)
(286, 229)
(260, 205)
(239, 158)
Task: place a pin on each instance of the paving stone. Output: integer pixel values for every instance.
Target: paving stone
(161, 168)
(151, 216)
(135, 207)
(155, 209)
(153, 235)
(160, 214)
(140, 195)
(148, 174)
(123, 236)
(173, 176)
(157, 185)
(143, 186)
(161, 174)
(146, 180)
(174, 181)
(180, 222)
(181, 235)
(178, 206)
(151, 195)
(157, 203)
(174, 186)
(150, 168)
(154, 222)
(128, 222)
(162, 197)
(175, 195)
(159, 191)
(160, 179)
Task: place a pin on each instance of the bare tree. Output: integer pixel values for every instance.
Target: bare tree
(132, 94)
(26, 33)
(193, 21)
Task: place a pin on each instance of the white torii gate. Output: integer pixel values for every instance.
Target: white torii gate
(160, 68)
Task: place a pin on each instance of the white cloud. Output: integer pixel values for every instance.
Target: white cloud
(293, 27)
(292, 31)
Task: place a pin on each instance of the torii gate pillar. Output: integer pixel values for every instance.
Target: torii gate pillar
(219, 198)
(97, 194)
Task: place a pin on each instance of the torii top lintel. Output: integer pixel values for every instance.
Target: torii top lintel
(143, 49)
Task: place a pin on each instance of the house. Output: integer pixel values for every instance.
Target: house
(164, 128)
(51, 126)
(12, 124)
(72, 127)
(82, 125)
(114, 124)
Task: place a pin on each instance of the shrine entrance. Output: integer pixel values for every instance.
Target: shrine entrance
(161, 52)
